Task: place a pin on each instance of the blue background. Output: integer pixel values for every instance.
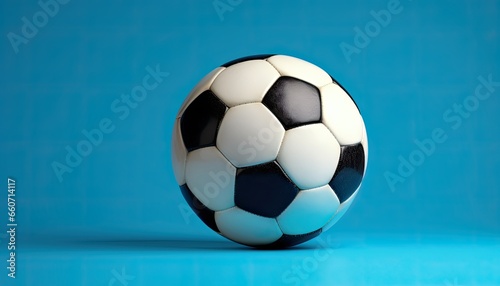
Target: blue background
(119, 212)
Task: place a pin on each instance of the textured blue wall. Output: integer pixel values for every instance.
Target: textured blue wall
(420, 73)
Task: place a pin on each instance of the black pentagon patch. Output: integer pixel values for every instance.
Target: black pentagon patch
(337, 83)
(294, 102)
(249, 58)
(201, 120)
(205, 214)
(264, 190)
(350, 171)
(287, 240)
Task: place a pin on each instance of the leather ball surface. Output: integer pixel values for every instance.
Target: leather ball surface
(269, 150)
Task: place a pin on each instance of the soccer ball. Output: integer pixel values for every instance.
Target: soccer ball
(269, 150)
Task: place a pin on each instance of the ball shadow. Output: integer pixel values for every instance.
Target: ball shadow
(164, 245)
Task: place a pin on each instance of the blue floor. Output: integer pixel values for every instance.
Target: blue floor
(328, 260)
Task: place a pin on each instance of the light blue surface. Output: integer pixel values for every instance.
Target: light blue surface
(328, 260)
(437, 223)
